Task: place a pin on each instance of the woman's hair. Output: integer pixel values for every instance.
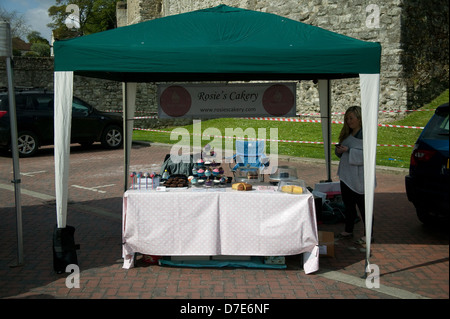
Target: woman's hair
(345, 132)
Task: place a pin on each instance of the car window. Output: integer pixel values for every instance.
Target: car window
(437, 128)
(3, 103)
(43, 102)
(24, 103)
(80, 108)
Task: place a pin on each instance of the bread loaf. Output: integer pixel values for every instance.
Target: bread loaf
(241, 186)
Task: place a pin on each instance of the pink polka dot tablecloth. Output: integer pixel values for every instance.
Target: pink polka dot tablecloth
(198, 222)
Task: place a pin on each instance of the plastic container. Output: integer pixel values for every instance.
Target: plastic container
(248, 175)
(297, 182)
(284, 173)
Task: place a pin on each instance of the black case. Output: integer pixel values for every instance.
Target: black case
(64, 248)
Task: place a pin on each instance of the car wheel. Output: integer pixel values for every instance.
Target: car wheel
(112, 137)
(27, 144)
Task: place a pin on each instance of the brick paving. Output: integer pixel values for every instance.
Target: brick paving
(413, 259)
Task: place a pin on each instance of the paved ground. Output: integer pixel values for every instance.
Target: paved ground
(413, 260)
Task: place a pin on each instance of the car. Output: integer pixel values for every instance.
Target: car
(428, 183)
(35, 109)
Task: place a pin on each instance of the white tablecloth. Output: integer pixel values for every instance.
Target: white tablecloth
(213, 222)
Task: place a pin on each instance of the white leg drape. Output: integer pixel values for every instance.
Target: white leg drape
(62, 125)
(370, 87)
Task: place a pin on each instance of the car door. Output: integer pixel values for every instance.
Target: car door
(85, 126)
(43, 117)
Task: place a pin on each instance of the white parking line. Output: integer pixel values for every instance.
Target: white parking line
(27, 192)
(361, 283)
(31, 174)
(94, 189)
(84, 207)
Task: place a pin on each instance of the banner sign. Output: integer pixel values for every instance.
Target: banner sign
(226, 100)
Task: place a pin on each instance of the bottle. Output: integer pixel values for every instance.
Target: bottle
(165, 175)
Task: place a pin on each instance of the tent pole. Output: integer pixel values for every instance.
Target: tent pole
(325, 109)
(125, 135)
(329, 130)
(6, 51)
(15, 155)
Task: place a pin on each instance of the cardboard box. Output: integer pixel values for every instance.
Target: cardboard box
(326, 243)
(274, 260)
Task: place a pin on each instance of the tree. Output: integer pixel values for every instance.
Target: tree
(40, 45)
(35, 37)
(41, 49)
(19, 28)
(95, 16)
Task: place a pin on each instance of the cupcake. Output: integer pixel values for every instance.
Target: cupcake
(209, 183)
(200, 163)
(207, 173)
(200, 172)
(216, 171)
(221, 171)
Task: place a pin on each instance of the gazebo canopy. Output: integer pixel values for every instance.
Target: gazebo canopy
(220, 43)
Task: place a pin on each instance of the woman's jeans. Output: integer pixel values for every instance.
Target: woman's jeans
(352, 200)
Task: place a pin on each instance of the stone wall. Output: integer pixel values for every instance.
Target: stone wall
(38, 73)
(31, 72)
(425, 43)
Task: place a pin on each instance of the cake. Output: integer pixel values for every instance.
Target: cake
(252, 175)
(292, 189)
(241, 186)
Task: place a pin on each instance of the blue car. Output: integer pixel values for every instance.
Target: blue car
(428, 183)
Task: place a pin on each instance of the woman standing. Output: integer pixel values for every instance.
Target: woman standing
(351, 169)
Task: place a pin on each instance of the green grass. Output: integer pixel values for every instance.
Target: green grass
(302, 131)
